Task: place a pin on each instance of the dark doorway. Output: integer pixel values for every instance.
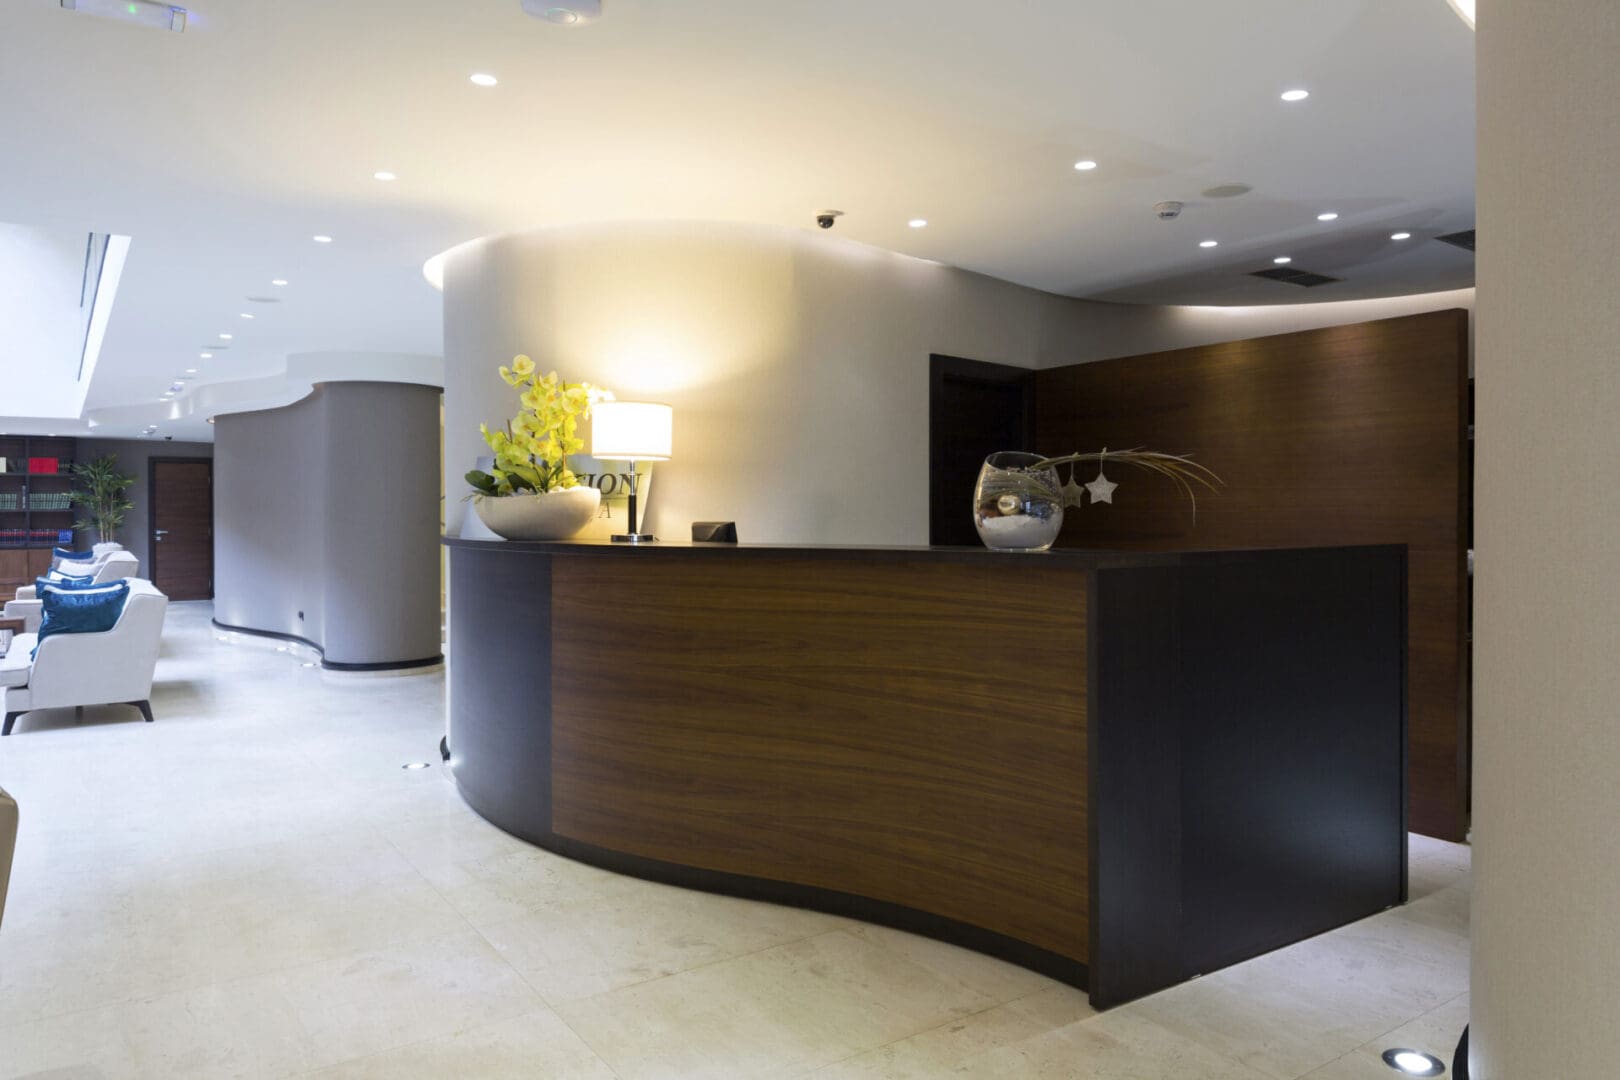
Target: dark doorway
(181, 495)
(974, 409)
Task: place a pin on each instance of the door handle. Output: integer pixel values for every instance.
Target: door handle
(159, 534)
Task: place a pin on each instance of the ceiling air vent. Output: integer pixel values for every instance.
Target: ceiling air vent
(1464, 240)
(1289, 276)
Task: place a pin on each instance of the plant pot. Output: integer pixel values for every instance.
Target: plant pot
(554, 515)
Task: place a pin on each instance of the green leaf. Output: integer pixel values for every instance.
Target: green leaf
(482, 481)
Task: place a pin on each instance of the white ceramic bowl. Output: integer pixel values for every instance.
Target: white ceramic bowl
(555, 515)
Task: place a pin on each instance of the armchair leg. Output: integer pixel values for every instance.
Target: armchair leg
(78, 714)
(145, 707)
(11, 718)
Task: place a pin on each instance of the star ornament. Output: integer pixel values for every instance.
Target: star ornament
(1102, 489)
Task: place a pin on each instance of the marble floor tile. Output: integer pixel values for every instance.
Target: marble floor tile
(1436, 1032)
(284, 1022)
(774, 1013)
(966, 1046)
(536, 1044)
(589, 945)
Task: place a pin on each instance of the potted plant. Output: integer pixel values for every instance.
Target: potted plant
(101, 494)
(530, 493)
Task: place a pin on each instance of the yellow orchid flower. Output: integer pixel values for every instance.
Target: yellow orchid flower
(532, 450)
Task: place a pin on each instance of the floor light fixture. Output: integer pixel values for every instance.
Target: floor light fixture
(632, 431)
(1413, 1062)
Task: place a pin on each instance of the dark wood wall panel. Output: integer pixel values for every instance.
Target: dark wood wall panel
(815, 723)
(1349, 435)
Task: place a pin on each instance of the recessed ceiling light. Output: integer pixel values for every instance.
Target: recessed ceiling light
(1209, 243)
(481, 79)
(918, 223)
(206, 355)
(417, 765)
(210, 419)
(246, 315)
(191, 371)
(322, 239)
(279, 281)
(385, 177)
(1413, 1062)
(1400, 236)
(1329, 216)
(225, 337)
(1295, 95)
(1283, 260)
(1085, 165)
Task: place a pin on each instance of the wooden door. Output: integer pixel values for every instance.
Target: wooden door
(182, 522)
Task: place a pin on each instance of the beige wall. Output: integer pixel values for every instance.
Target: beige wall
(1547, 591)
(797, 363)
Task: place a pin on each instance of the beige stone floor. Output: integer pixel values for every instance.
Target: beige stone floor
(253, 887)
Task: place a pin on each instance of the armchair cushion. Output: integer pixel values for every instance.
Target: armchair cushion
(15, 665)
(63, 555)
(59, 582)
(81, 611)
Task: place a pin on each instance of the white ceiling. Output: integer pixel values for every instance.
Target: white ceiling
(222, 150)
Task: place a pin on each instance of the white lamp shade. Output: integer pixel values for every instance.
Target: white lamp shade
(631, 430)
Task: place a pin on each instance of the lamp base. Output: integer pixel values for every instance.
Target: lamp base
(633, 538)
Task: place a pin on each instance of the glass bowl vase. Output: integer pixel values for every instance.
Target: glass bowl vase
(1017, 503)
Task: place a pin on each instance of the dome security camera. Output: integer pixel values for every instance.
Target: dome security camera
(1168, 211)
(826, 218)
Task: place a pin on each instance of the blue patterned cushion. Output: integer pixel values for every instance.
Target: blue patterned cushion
(64, 555)
(80, 611)
(63, 581)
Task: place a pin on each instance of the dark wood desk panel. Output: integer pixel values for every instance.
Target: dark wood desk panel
(911, 731)
(1118, 769)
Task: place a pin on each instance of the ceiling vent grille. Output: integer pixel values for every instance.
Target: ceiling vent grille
(1464, 240)
(1289, 276)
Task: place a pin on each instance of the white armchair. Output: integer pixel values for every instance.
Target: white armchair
(114, 565)
(8, 843)
(107, 668)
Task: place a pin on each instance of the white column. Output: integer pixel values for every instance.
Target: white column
(1546, 925)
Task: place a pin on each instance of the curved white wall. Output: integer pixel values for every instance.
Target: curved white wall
(796, 362)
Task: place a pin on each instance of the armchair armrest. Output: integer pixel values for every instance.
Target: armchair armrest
(29, 611)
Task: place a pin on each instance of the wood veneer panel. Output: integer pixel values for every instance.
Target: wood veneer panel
(814, 723)
(1349, 435)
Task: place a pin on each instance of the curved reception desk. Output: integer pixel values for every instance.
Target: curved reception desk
(1121, 770)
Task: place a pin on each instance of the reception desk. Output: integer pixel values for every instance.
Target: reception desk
(1121, 770)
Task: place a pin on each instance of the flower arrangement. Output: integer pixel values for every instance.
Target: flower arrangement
(532, 449)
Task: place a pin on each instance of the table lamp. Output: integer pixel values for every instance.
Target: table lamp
(631, 431)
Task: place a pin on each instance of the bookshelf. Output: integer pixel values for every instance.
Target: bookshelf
(35, 514)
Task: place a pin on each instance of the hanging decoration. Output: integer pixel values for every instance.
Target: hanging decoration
(1102, 488)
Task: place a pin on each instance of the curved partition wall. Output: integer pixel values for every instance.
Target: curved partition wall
(326, 523)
